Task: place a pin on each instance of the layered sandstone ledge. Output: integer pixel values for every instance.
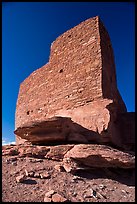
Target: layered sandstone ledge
(76, 156)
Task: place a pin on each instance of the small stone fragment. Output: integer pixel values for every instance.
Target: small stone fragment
(46, 199)
(31, 174)
(67, 167)
(123, 191)
(99, 195)
(7, 161)
(101, 186)
(58, 198)
(74, 193)
(93, 193)
(20, 178)
(14, 163)
(59, 168)
(26, 172)
(49, 193)
(36, 175)
(45, 175)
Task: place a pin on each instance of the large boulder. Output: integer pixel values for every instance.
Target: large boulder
(97, 156)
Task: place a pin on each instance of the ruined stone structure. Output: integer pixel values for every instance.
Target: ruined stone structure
(74, 97)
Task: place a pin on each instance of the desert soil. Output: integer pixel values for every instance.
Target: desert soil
(90, 185)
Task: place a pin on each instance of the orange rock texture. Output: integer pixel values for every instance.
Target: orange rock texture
(78, 82)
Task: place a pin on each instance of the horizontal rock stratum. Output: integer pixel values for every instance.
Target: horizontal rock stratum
(74, 97)
(75, 156)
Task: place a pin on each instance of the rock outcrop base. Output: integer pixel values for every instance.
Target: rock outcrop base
(67, 173)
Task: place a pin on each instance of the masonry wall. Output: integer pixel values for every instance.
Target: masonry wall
(72, 78)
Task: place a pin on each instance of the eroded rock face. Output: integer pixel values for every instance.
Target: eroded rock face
(74, 97)
(74, 156)
(97, 156)
(61, 130)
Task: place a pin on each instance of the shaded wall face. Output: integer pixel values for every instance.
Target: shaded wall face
(108, 66)
(126, 122)
(109, 82)
(71, 78)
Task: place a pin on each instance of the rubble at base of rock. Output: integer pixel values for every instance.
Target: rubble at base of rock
(75, 169)
(74, 156)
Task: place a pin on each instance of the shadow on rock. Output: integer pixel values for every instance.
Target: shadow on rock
(124, 176)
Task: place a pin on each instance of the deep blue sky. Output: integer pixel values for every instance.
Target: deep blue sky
(29, 28)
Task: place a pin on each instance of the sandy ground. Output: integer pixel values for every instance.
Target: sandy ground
(91, 185)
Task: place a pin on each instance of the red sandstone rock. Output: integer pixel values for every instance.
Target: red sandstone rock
(36, 175)
(46, 199)
(92, 155)
(59, 167)
(49, 193)
(58, 198)
(97, 156)
(33, 151)
(10, 151)
(58, 152)
(20, 178)
(69, 165)
(45, 175)
(80, 84)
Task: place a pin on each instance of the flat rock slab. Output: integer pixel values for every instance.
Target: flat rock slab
(43, 131)
(93, 155)
(74, 155)
(56, 130)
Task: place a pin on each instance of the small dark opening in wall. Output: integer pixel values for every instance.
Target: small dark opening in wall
(109, 46)
(61, 70)
(69, 36)
(28, 112)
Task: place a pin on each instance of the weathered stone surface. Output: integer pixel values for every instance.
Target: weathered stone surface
(49, 193)
(45, 131)
(59, 167)
(73, 156)
(36, 175)
(9, 150)
(80, 88)
(29, 173)
(52, 196)
(57, 152)
(58, 198)
(33, 151)
(64, 130)
(97, 156)
(46, 199)
(45, 175)
(20, 178)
